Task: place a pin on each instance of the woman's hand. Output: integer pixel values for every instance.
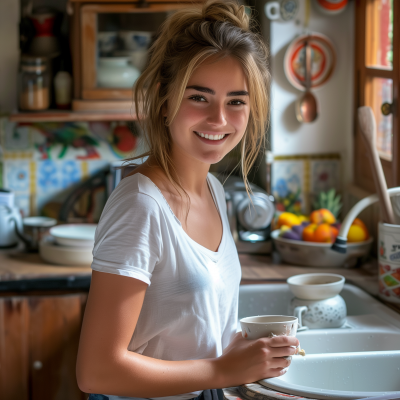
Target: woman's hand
(247, 361)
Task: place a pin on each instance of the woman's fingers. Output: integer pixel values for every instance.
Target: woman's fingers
(283, 341)
(282, 351)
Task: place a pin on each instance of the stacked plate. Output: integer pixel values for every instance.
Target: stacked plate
(70, 244)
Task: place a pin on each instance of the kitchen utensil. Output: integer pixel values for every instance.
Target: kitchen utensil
(317, 286)
(340, 245)
(283, 10)
(249, 219)
(323, 64)
(34, 229)
(367, 124)
(268, 326)
(389, 262)
(76, 235)
(9, 218)
(319, 314)
(331, 7)
(116, 72)
(306, 106)
(320, 255)
(53, 253)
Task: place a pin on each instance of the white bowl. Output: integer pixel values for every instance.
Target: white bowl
(76, 235)
(53, 253)
(136, 40)
(318, 286)
(319, 255)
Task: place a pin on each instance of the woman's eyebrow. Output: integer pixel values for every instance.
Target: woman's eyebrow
(210, 91)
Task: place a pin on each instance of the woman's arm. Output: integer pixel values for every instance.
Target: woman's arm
(106, 366)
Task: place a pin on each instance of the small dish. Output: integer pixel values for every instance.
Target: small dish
(77, 235)
(318, 286)
(53, 253)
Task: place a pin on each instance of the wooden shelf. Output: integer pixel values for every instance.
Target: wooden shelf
(63, 116)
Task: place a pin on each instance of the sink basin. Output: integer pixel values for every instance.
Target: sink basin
(341, 376)
(347, 340)
(359, 360)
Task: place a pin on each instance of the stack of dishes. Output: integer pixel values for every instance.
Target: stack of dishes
(70, 244)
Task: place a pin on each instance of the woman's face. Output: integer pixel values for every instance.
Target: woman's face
(214, 111)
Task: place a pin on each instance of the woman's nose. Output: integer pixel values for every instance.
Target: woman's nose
(217, 115)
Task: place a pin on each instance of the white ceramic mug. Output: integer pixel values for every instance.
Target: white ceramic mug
(389, 262)
(282, 10)
(268, 326)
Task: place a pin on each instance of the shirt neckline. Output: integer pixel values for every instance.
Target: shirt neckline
(212, 254)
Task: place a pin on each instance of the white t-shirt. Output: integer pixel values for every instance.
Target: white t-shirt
(191, 304)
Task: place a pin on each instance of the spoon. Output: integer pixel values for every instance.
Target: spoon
(306, 106)
(367, 124)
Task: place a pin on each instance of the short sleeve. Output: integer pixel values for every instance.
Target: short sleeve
(128, 236)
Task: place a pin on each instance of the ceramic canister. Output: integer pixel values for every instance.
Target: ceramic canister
(389, 262)
(319, 314)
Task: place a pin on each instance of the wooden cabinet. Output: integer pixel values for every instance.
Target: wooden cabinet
(100, 39)
(39, 336)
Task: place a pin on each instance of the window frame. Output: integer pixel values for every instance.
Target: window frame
(362, 171)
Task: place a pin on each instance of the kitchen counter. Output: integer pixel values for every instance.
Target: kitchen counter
(16, 266)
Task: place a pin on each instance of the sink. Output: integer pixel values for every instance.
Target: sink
(341, 375)
(359, 360)
(343, 341)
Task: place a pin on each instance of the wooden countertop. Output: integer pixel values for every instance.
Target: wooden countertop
(16, 265)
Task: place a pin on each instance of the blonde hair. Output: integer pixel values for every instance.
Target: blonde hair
(187, 38)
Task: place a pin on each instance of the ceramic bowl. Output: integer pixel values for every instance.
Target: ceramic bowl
(107, 42)
(76, 235)
(136, 40)
(321, 255)
(53, 253)
(317, 286)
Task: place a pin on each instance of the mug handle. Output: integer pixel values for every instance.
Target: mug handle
(298, 313)
(269, 10)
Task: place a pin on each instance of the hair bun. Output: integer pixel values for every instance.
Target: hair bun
(226, 11)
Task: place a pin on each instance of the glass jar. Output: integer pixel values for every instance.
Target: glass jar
(34, 90)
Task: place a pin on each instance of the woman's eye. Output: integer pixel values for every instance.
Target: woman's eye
(237, 102)
(197, 97)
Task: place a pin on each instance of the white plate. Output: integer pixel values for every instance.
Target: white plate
(53, 253)
(78, 235)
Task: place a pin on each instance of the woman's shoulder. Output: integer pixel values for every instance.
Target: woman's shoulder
(134, 192)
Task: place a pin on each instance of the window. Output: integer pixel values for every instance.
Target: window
(377, 84)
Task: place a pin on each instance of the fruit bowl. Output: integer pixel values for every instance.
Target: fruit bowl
(312, 254)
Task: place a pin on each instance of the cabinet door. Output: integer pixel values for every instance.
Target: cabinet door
(39, 338)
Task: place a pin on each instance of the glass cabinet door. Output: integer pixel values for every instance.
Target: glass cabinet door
(114, 46)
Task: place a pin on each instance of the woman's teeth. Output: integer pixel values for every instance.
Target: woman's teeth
(210, 137)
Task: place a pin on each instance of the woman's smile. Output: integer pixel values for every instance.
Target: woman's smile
(213, 138)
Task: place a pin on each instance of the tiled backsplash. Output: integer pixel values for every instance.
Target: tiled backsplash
(42, 162)
(297, 180)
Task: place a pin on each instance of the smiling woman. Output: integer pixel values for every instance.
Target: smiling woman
(161, 316)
